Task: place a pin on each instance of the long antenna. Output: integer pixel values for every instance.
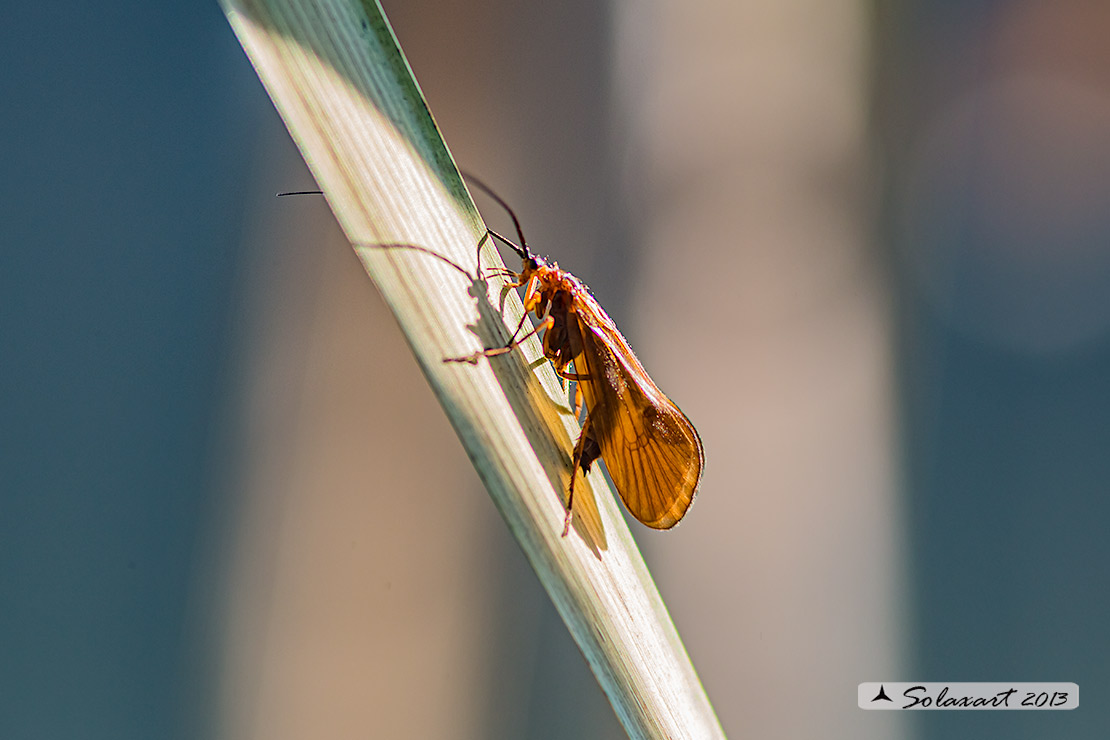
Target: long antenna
(521, 249)
(525, 251)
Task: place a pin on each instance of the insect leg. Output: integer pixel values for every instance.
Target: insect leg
(585, 452)
(565, 376)
(473, 359)
(512, 275)
(478, 255)
(572, 376)
(543, 325)
(531, 299)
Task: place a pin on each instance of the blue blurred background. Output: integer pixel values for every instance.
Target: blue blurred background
(866, 247)
(126, 146)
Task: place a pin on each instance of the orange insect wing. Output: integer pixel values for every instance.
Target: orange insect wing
(651, 450)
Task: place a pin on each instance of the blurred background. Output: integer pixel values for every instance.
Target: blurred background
(865, 246)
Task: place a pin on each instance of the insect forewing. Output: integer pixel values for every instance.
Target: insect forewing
(651, 450)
